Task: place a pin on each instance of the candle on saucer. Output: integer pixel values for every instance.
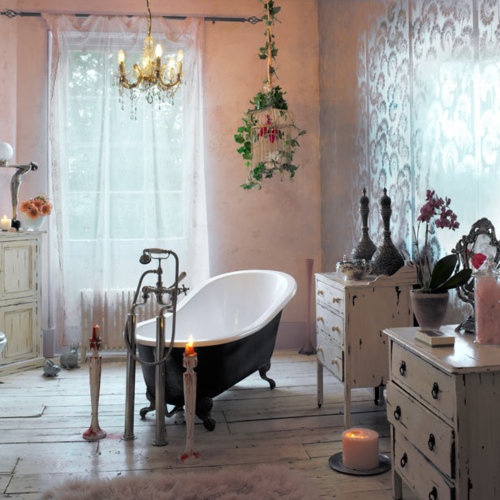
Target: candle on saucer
(5, 223)
(360, 449)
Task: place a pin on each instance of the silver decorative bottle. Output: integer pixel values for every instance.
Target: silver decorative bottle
(365, 248)
(387, 259)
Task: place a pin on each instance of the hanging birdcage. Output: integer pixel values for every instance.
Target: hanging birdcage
(271, 137)
(268, 136)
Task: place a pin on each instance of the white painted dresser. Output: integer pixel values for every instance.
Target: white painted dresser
(443, 404)
(20, 300)
(350, 317)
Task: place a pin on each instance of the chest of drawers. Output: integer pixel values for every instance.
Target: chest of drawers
(443, 404)
(350, 317)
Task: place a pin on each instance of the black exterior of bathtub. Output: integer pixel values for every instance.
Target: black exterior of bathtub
(219, 368)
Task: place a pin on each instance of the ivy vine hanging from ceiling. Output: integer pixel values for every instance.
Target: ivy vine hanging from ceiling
(268, 136)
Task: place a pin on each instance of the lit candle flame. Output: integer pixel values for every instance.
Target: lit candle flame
(189, 351)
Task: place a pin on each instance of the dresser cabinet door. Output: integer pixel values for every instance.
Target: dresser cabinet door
(17, 269)
(19, 323)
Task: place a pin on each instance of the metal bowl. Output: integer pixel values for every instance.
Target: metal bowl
(353, 269)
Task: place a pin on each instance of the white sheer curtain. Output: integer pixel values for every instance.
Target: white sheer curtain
(120, 185)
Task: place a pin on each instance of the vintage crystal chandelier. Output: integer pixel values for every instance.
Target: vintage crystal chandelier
(152, 78)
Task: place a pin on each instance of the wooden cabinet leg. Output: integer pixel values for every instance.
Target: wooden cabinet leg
(319, 383)
(347, 404)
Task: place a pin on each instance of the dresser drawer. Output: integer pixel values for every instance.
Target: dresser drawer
(424, 381)
(331, 324)
(431, 435)
(330, 296)
(418, 472)
(330, 354)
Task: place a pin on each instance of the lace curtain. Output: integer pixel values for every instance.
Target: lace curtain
(120, 184)
(428, 75)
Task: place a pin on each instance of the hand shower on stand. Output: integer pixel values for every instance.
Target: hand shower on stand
(166, 298)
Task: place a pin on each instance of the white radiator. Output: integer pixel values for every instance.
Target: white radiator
(109, 310)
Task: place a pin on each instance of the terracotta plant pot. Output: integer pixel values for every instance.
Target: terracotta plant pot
(429, 308)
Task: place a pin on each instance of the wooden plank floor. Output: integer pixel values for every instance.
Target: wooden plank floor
(42, 421)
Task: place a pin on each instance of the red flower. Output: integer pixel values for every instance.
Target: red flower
(272, 135)
(477, 260)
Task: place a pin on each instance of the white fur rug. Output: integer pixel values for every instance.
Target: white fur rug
(261, 482)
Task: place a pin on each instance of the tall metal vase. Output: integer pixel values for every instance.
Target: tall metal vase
(387, 259)
(365, 248)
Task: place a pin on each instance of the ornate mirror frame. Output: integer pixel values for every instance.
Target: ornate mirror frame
(481, 239)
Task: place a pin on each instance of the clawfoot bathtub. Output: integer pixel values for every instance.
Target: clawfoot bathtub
(233, 319)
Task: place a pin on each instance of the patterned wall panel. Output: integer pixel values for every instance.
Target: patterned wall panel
(429, 113)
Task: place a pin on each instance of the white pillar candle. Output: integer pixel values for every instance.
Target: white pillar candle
(360, 449)
(5, 223)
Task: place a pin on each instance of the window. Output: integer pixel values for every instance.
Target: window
(119, 184)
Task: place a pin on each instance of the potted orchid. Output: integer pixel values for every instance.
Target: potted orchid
(430, 299)
(444, 274)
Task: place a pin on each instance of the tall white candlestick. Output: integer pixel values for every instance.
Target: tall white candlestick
(190, 361)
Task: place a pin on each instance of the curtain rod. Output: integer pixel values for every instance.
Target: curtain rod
(252, 19)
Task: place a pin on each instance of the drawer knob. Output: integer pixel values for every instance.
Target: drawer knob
(404, 460)
(402, 368)
(431, 443)
(321, 292)
(320, 318)
(397, 413)
(435, 390)
(335, 329)
(336, 300)
(433, 494)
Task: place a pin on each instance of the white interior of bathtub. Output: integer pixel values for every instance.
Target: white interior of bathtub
(227, 307)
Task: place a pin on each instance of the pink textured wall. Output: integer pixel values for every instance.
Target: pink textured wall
(277, 227)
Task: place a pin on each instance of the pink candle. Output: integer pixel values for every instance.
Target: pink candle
(360, 449)
(487, 309)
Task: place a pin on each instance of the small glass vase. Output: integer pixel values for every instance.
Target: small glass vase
(429, 308)
(33, 224)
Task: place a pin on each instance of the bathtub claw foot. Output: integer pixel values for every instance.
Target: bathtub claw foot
(263, 374)
(203, 409)
(147, 409)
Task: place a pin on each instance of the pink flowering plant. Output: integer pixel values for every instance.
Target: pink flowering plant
(36, 207)
(445, 273)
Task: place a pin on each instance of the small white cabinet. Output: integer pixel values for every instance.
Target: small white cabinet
(350, 317)
(20, 300)
(443, 404)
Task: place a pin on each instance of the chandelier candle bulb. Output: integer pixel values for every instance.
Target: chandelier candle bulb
(360, 449)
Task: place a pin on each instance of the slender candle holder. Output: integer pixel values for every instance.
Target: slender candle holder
(94, 432)
(190, 362)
